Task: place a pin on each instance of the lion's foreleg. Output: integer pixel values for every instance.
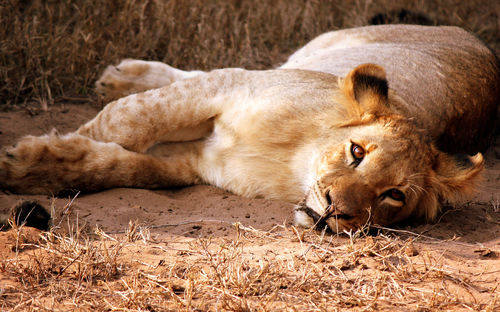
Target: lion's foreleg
(52, 163)
(139, 121)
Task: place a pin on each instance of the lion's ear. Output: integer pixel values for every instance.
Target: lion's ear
(453, 177)
(456, 176)
(367, 89)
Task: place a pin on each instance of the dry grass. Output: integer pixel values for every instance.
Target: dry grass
(53, 51)
(96, 272)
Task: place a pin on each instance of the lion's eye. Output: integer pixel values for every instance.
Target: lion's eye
(395, 194)
(357, 152)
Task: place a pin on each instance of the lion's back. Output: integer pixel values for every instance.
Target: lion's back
(448, 79)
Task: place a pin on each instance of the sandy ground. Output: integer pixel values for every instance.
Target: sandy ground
(465, 240)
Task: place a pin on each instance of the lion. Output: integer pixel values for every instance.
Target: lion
(360, 126)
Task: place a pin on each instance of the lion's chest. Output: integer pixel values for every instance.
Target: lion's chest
(266, 145)
(245, 163)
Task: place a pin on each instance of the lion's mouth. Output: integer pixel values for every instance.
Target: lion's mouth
(333, 212)
(320, 220)
(342, 216)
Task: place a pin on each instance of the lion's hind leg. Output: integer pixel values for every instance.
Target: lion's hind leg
(133, 76)
(52, 163)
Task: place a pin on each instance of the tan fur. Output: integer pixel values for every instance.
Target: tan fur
(288, 134)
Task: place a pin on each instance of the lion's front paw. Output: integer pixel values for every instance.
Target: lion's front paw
(33, 166)
(20, 169)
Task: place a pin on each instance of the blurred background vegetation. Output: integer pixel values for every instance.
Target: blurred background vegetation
(52, 51)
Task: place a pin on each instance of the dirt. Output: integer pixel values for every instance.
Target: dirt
(465, 241)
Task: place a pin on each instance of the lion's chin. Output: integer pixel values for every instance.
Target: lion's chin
(306, 216)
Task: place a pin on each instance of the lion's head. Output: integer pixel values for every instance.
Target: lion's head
(386, 170)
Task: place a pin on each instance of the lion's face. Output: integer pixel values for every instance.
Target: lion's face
(385, 171)
(374, 176)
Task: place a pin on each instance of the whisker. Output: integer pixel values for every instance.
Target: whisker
(413, 190)
(416, 175)
(418, 187)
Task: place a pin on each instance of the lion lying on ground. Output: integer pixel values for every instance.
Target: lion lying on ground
(348, 151)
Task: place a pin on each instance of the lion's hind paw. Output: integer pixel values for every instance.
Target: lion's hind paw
(131, 76)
